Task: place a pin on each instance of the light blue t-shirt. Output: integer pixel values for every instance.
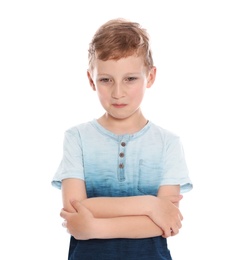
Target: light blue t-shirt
(122, 165)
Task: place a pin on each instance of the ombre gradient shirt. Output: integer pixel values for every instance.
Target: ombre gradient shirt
(122, 165)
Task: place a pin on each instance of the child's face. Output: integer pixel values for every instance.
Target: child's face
(121, 85)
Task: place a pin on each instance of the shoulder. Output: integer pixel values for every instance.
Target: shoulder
(163, 133)
(79, 128)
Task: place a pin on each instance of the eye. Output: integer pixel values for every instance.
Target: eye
(131, 79)
(104, 80)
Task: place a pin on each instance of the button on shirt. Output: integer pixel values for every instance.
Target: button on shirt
(122, 165)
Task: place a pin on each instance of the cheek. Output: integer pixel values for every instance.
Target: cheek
(138, 94)
(103, 95)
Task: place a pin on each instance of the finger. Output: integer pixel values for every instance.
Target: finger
(174, 230)
(167, 233)
(179, 197)
(181, 216)
(76, 205)
(176, 198)
(63, 213)
(179, 224)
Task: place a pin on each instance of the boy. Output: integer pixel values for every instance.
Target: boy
(121, 175)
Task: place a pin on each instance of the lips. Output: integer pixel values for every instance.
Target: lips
(119, 105)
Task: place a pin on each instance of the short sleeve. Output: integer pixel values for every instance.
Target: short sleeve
(71, 165)
(175, 167)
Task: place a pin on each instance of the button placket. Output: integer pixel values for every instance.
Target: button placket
(121, 161)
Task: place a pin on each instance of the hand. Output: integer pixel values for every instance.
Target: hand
(79, 224)
(167, 215)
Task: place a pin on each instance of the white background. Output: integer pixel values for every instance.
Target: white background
(44, 91)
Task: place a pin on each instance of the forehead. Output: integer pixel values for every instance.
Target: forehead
(130, 64)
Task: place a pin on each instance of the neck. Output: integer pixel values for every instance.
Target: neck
(123, 126)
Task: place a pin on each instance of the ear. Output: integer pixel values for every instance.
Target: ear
(151, 77)
(91, 83)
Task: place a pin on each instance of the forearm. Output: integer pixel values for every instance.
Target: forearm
(109, 207)
(104, 207)
(125, 227)
(116, 215)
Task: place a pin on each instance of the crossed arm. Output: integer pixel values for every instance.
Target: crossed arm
(120, 217)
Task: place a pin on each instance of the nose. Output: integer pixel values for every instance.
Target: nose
(117, 91)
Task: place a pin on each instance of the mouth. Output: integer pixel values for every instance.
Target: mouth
(119, 105)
